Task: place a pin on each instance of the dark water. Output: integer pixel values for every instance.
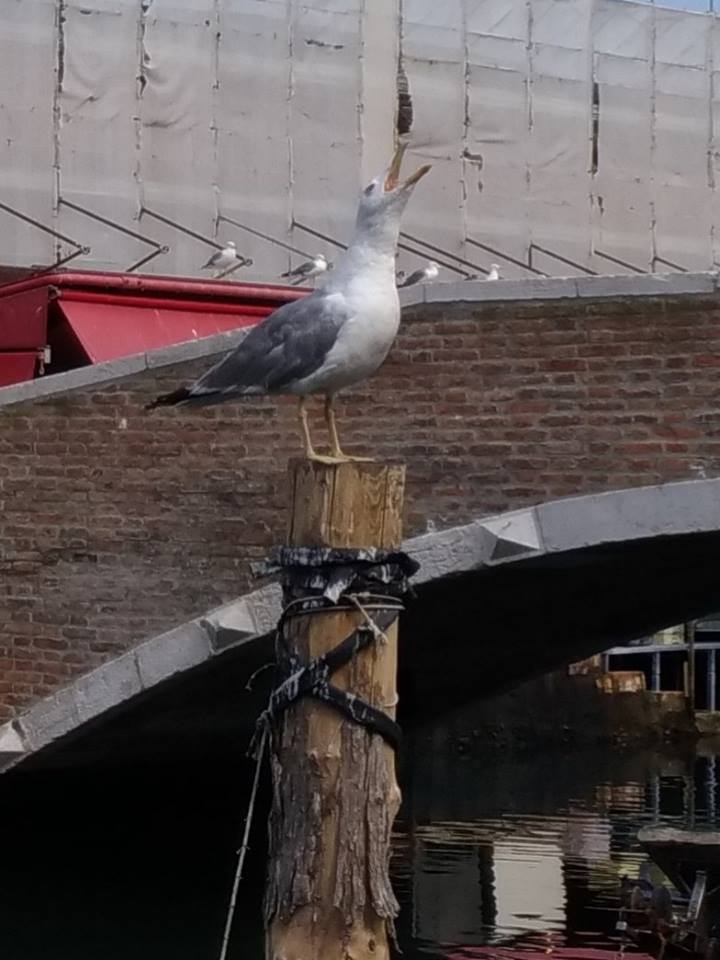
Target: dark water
(529, 849)
(522, 848)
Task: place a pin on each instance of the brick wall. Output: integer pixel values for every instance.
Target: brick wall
(116, 524)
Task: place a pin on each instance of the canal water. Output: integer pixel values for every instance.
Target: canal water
(502, 848)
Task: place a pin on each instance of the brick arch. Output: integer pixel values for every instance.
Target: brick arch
(671, 532)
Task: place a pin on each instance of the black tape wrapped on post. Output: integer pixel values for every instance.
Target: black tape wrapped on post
(314, 580)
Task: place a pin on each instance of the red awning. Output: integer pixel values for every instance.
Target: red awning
(17, 366)
(23, 320)
(105, 331)
(88, 317)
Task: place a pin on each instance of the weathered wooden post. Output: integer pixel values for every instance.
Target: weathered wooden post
(335, 793)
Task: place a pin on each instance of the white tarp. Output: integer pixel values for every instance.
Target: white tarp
(252, 136)
(178, 167)
(274, 113)
(27, 146)
(434, 58)
(621, 186)
(96, 135)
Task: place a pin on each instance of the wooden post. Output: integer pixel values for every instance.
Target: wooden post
(335, 793)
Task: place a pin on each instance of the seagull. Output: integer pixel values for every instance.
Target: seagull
(336, 336)
(311, 268)
(222, 259)
(494, 272)
(429, 272)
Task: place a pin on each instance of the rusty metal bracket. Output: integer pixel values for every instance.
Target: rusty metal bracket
(618, 261)
(145, 211)
(264, 236)
(668, 263)
(506, 256)
(80, 249)
(557, 256)
(442, 252)
(158, 248)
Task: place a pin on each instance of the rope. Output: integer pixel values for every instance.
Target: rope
(369, 622)
(244, 846)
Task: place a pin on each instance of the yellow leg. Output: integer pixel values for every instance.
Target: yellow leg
(332, 428)
(309, 449)
(335, 450)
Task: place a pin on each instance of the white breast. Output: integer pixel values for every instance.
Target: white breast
(363, 342)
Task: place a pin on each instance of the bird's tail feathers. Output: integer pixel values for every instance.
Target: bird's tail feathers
(169, 399)
(296, 281)
(185, 396)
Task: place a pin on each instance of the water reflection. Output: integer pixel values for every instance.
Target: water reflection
(530, 849)
(526, 850)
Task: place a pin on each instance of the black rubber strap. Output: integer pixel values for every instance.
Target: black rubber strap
(362, 713)
(313, 680)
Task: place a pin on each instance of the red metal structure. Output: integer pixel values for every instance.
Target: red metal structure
(57, 321)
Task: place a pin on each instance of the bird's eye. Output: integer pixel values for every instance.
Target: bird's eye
(369, 189)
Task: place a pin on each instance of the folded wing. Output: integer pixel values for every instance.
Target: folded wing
(291, 344)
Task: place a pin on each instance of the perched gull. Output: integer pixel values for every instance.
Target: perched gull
(429, 272)
(222, 259)
(492, 274)
(311, 268)
(334, 337)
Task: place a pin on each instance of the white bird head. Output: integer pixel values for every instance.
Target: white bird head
(320, 258)
(433, 267)
(495, 267)
(230, 244)
(383, 201)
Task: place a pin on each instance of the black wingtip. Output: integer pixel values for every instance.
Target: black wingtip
(169, 399)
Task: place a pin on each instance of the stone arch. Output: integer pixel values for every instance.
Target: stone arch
(558, 581)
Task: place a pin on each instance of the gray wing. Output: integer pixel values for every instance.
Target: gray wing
(215, 258)
(300, 271)
(288, 346)
(415, 277)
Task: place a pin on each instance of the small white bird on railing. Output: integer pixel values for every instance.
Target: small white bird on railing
(222, 259)
(306, 271)
(428, 273)
(494, 272)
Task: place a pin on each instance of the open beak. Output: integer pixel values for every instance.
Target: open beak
(418, 175)
(392, 179)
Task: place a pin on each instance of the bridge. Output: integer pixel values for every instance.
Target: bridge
(559, 437)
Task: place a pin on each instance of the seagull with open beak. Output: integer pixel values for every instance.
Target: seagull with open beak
(335, 337)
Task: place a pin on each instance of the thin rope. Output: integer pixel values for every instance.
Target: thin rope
(369, 622)
(244, 846)
(256, 673)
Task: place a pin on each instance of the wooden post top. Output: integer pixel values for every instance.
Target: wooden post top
(352, 504)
